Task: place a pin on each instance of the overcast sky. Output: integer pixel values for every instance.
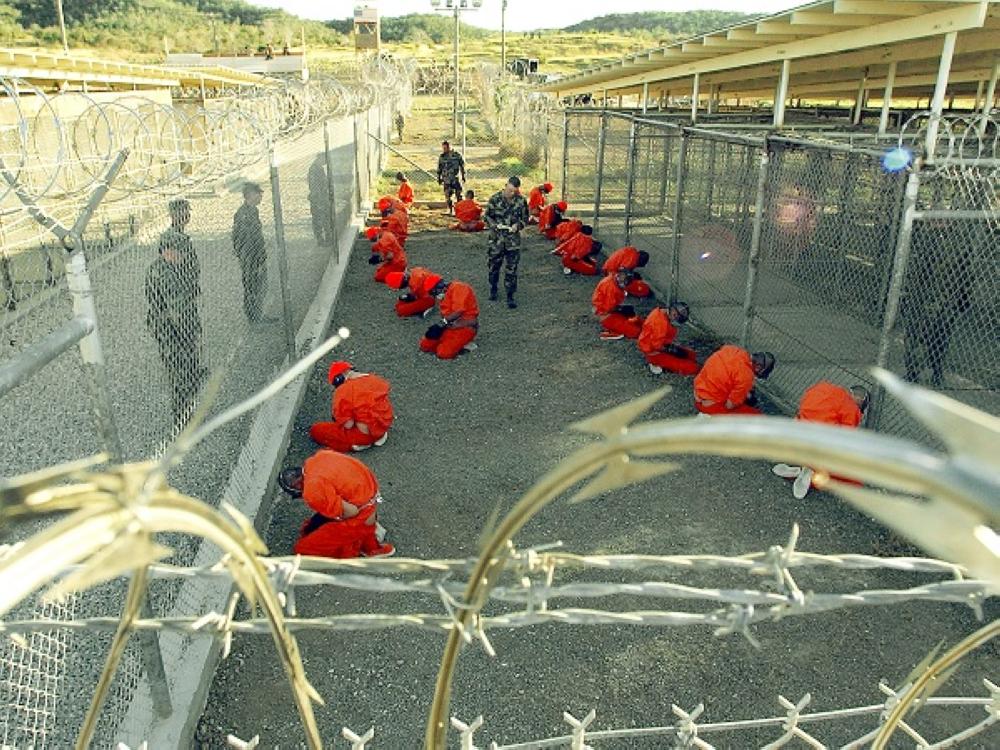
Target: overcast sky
(523, 15)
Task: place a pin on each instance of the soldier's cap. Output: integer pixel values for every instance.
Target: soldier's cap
(179, 204)
(547, 187)
(514, 180)
(252, 187)
(337, 368)
(763, 364)
(372, 233)
(562, 205)
(395, 279)
(170, 240)
(682, 311)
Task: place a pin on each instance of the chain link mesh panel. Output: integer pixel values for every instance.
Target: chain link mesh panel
(947, 334)
(827, 243)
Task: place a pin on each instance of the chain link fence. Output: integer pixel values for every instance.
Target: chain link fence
(213, 258)
(796, 245)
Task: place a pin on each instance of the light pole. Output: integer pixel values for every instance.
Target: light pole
(454, 6)
(503, 37)
(62, 25)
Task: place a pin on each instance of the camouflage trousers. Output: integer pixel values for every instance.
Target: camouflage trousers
(503, 249)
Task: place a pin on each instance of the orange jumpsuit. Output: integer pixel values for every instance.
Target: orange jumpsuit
(459, 299)
(389, 201)
(332, 484)
(364, 399)
(398, 222)
(658, 333)
(406, 194)
(628, 258)
(421, 283)
(469, 215)
(727, 375)
(393, 255)
(607, 296)
(536, 201)
(830, 404)
(567, 229)
(575, 254)
(548, 219)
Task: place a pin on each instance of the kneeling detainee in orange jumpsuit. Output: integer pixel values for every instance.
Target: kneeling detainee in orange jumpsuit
(630, 258)
(469, 214)
(387, 250)
(725, 383)
(551, 217)
(459, 322)
(656, 341)
(391, 202)
(618, 320)
(536, 200)
(831, 404)
(344, 495)
(362, 412)
(579, 253)
(566, 229)
(420, 285)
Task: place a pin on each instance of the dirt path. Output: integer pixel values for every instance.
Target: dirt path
(472, 435)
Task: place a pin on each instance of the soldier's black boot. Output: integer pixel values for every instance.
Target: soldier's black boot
(510, 301)
(493, 294)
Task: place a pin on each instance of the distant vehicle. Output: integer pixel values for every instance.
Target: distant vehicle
(523, 67)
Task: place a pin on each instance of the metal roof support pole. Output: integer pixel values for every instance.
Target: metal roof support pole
(991, 91)
(645, 97)
(694, 98)
(890, 81)
(940, 89)
(859, 100)
(781, 93)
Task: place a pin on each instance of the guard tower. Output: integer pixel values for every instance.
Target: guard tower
(367, 31)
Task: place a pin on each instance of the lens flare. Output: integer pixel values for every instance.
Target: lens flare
(896, 159)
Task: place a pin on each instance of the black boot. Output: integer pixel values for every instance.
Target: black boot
(493, 294)
(510, 301)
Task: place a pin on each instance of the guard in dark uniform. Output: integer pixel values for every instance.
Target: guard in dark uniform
(172, 290)
(451, 174)
(251, 251)
(506, 215)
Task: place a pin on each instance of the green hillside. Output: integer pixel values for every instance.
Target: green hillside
(146, 26)
(681, 24)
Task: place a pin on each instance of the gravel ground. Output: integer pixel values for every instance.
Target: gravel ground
(471, 436)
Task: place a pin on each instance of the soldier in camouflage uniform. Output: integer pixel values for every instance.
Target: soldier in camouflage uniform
(506, 215)
(251, 251)
(172, 289)
(451, 166)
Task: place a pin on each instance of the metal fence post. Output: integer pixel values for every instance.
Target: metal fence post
(668, 155)
(710, 182)
(92, 353)
(357, 165)
(565, 153)
(898, 275)
(753, 262)
(545, 157)
(630, 183)
(279, 242)
(331, 188)
(675, 249)
(599, 170)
